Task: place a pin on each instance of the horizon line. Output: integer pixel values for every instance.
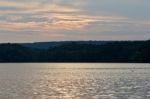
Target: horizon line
(70, 41)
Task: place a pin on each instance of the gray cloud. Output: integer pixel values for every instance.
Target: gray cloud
(44, 20)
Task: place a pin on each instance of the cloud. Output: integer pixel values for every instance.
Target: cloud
(98, 19)
(54, 22)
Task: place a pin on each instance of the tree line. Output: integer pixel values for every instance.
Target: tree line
(118, 51)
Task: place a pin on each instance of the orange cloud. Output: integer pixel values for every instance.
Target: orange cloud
(58, 17)
(58, 22)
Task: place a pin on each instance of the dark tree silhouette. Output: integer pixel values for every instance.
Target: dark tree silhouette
(118, 51)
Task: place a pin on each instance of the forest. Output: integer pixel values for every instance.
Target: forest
(74, 51)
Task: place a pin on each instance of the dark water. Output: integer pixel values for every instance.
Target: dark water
(75, 81)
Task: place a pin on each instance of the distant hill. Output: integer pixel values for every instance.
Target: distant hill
(16, 53)
(46, 45)
(77, 51)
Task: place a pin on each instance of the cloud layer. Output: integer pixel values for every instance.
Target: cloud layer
(46, 20)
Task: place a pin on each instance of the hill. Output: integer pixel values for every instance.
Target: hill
(80, 51)
(46, 45)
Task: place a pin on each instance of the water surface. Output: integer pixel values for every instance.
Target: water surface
(74, 81)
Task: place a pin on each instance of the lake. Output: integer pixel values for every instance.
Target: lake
(74, 81)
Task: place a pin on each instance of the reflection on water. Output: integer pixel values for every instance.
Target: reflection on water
(74, 81)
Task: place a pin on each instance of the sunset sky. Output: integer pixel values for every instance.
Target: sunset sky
(59, 20)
